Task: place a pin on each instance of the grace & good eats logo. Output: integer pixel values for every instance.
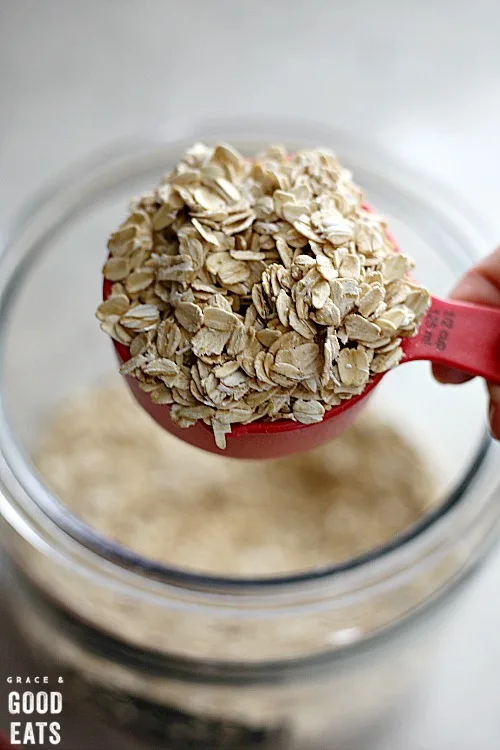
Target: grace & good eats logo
(34, 710)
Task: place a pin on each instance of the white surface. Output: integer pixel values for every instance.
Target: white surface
(421, 78)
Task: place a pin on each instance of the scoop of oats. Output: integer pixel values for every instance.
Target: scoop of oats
(258, 288)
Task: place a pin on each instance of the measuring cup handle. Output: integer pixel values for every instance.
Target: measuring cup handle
(460, 335)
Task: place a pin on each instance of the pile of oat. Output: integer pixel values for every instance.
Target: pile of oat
(136, 484)
(257, 289)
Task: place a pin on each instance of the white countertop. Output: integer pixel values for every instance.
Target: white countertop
(420, 78)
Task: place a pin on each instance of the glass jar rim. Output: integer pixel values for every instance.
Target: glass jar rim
(48, 515)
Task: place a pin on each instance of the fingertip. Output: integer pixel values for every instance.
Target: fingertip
(481, 284)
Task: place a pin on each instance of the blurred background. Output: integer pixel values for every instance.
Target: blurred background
(421, 79)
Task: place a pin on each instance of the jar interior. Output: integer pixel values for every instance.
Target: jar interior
(53, 346)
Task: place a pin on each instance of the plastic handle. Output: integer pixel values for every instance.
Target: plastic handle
(460, 335)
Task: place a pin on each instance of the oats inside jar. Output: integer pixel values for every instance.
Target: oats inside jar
(141, 487)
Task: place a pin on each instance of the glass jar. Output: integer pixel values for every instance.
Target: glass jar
(306, 662)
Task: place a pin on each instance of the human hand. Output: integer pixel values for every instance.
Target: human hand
(480, 285)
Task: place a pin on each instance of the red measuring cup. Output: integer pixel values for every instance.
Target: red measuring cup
(457, 334)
